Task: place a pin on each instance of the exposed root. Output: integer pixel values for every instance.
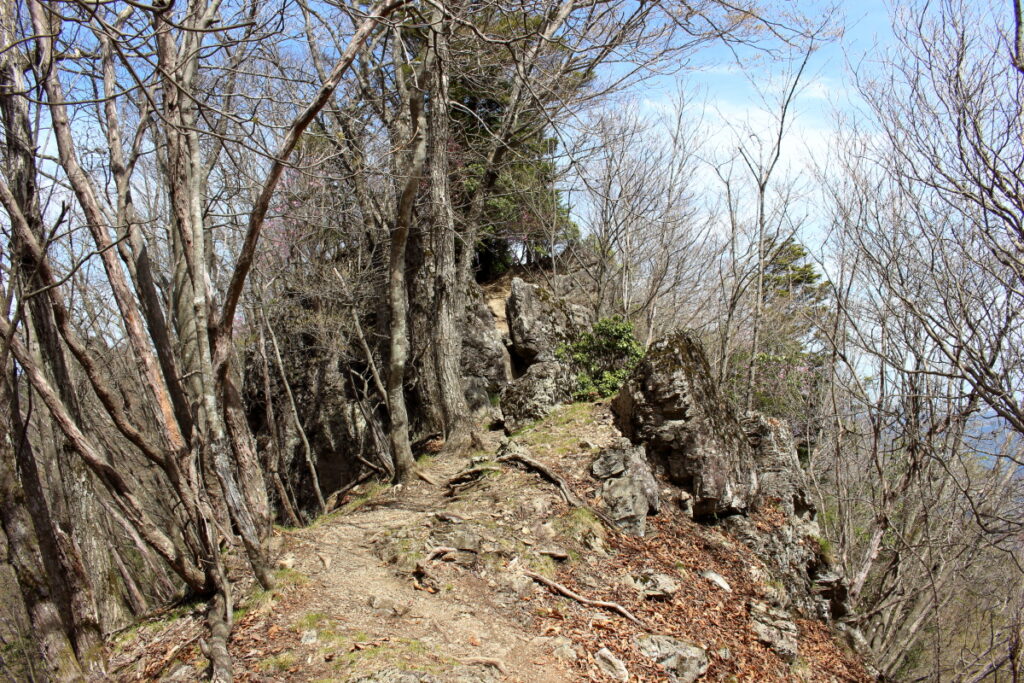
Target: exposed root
(216, 648)
(425, 477)
(546, 472)
(486, 661)
(562, 590)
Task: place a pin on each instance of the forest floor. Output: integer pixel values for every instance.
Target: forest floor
(428, 582)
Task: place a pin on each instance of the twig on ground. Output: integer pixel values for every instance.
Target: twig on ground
(438, 552)
(559, 588)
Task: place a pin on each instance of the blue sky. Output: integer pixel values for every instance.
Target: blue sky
(726, 91)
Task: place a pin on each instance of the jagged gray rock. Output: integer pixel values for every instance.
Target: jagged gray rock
(532, 396)
(774, 628)
(683, 661)
(611, 665)
(671, 404)
(486, 367)
(630, 491)
(780, 477)
(653, 585)
(539, 323)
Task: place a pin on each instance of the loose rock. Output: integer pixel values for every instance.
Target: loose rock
(611, 665)
(684, 661)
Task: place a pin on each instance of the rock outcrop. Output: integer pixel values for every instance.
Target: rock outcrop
(630, 491)
(539, 323)
(672, 405)
(728, 469)
(532, 396)
(486, 367)
(781, 479)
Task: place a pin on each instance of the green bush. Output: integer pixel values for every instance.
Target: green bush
(602, 358)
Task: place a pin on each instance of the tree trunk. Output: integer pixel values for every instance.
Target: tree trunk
(449, 285)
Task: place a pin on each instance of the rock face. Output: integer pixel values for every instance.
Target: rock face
(539, 323)
(672, 405)
(629, 490)
(728, 467)
(532, 396)
(485, 361)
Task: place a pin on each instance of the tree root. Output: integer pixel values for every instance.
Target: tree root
(216, 648)
(486, 661)
(562, 590)
(546, 472)
(568, 496)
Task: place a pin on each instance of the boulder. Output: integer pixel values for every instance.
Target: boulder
(672, 404)
(532, 396)
(683, 661)
(611, 665)
(630, 491)
(539, 323)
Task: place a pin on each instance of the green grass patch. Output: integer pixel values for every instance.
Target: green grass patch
(577, 522)
(278, 663)
(311, 620)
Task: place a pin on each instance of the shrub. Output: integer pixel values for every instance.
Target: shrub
(602, 358)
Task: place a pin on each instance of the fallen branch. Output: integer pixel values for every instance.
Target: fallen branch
(438, 552)
(559, 588)
(153, 672)
(472, 474)
(559, 555)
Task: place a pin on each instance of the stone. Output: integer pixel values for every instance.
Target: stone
(532, 396)
(774, 628)
(539, 323)
(630, 490)
(611, 665)
(653, 585)
(672, 405)
(684, 661)
(717, 579)
(309, 637)
(382, 604)
(564, 649)
(466, 540)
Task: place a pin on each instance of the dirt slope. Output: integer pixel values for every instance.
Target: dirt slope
(430, 580)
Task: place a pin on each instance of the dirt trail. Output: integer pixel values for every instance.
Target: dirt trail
(366, 594)
(385, 616)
